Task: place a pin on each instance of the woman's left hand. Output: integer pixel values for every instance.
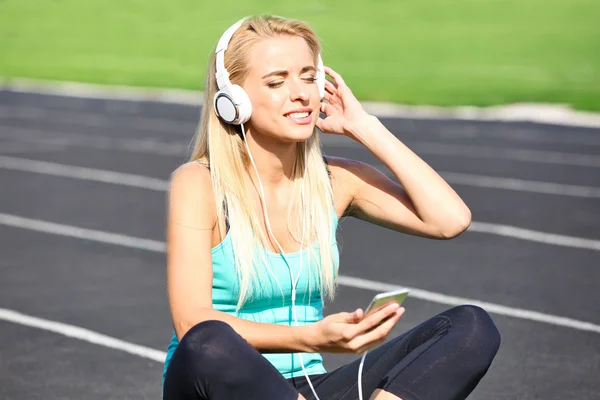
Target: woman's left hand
(343, 111)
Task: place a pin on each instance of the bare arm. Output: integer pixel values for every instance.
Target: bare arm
(421, 203)
(191, 219)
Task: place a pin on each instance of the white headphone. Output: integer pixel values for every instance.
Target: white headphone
(231, 102)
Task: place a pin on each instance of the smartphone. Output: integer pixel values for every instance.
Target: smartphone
(382, 299)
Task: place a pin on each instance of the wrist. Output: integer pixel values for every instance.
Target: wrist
(308, 338)
(361, 127)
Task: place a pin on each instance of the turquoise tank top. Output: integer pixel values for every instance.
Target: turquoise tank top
(270, 307)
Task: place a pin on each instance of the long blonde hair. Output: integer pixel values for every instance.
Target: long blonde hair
(221, 144)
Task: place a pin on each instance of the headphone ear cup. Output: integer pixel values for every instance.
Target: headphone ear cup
(233, 105)
(224, 106)
(320, 76)
(243, 103)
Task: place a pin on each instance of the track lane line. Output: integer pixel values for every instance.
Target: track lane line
(144, 182)
(185, 128)
(160, 247)
(82, 334)
(150, 146)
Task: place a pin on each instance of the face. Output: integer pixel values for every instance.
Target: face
(282, 86)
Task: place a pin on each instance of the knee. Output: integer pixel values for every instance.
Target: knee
(478, 334)
(204, 354)
(208, 342)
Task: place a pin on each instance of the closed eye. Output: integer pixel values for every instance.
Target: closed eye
(311, 79)
(274, 84)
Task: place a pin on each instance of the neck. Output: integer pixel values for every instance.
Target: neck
(274, 160)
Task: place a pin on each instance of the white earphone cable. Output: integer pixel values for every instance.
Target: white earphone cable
(301, 252)
(295, 281)
(360, 368)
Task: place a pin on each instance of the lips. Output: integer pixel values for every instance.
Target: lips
(300, 116)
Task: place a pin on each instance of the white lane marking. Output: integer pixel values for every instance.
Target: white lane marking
(144, 182)
(160, 247)
(94, 120)
(17, 147)
(487, 152)
(524, 155)
(517, 134)
(148, 146)
(142, 146)
(535, 236)
(455, 301)
(540, 113)
(177, 127)
(87, 174)
(520, 185)
(83, 334)
(82, 233)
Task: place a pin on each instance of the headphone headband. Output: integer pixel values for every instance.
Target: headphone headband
(222, 75)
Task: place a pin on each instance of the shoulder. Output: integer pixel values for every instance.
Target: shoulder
(190, 193)
(347, 176)
(347, 171)
(193, 176)
(343, 165)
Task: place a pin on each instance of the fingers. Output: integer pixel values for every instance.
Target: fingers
(330, 93)
(330, 87)
(350, 318)
(360, 314)
(337, 78)
(378, 335)
(374, 319)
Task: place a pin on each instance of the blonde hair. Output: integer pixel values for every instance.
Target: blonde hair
(222, 145)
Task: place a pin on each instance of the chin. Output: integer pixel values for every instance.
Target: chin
(299, 134)
(287, 131)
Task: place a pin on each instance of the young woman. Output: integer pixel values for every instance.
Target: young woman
(246, 295)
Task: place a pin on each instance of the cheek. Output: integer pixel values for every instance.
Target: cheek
(269, 104)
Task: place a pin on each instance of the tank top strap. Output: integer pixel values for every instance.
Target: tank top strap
(327, 167)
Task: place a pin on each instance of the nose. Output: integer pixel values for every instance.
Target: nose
(299, 90)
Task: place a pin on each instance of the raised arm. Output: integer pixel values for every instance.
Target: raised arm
(420, 202)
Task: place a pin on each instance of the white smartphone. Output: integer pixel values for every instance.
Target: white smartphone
(382, 299)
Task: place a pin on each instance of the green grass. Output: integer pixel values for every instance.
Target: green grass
(478, 52)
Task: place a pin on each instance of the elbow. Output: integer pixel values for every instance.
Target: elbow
(182, 327)
(460, 222)
(184, 323)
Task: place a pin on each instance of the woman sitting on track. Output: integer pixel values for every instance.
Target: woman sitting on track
(246, 297)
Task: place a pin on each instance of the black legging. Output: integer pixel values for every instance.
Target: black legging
(443, 358)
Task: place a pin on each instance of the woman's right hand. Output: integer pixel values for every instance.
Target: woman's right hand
(353, 332)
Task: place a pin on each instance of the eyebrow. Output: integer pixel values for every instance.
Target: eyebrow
(284, 72)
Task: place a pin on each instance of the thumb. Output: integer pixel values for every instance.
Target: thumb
(353, 317)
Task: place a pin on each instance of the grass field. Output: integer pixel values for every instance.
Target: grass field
(478, 52)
